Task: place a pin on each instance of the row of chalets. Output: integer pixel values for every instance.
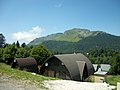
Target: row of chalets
(67, 66)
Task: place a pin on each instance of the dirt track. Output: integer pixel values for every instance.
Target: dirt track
(7, 83)
(74, 85)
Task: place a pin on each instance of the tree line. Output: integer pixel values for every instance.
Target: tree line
(106, 56)
(8, 52)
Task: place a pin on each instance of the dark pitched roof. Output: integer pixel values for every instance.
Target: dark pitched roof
(26, 61)
(28, 64)
(70, 61)
(76, 64)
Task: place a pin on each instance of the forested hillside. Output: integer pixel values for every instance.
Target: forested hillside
(78, 40)
(73, 35)
(102, 40)
(99, 41)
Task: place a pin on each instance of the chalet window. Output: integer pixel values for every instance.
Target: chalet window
(62, 63)
(46, 64)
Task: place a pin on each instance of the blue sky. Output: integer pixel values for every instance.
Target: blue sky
(25, 20)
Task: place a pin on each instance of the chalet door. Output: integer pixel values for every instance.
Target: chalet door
(51, 73)
(57, 74)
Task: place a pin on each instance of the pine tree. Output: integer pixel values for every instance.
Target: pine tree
(23, 45)
(2, 40)
(17, 44)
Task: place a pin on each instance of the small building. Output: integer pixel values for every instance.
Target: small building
(100, 76)
(102, 70)
(27, 64)
(104, 67)
(68, 66)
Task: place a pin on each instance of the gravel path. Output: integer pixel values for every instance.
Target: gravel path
(7, 83)
(73, 85)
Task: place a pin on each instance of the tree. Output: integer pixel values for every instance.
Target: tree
(9, 53)
(100, 55)
(115, 67)
(40, 53)
(22, 53)
(23, 45)
(17, 44)
(1, 54)
(6, 44)
(2, 40)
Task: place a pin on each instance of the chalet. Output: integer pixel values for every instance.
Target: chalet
(27, 64)
(100, 76)
(68, 66)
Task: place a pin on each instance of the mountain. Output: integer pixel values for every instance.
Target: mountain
(77, 40)
(73, 35)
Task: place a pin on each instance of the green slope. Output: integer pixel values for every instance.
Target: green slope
(42, 39)
(102, 40)
(73, 35)
(78, 40)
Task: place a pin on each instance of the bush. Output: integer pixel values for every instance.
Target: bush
(40, 53)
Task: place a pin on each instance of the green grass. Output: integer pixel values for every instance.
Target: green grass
(113, 79)
(6, 70)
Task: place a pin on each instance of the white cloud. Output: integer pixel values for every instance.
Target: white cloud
(27, 36)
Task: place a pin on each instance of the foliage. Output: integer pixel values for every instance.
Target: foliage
(2, 40)
(22, 53)
(102, 55)
(1, 54)
(101, 40)
(23, 45)
(58, 47)
(12, 51)
(17, 44)
(106, 56)
(40, 53)
(115, 68)
(9, 53)
(113, 79)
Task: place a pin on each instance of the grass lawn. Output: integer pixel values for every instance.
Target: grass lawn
(6, 70)
(113, 79)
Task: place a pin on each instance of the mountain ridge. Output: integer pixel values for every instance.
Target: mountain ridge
(72, 35)
(79, 40)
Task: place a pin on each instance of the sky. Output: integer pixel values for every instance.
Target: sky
(25, 20)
